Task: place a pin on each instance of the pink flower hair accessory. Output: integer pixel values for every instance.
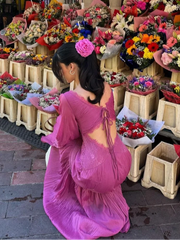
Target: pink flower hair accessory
(84, 47)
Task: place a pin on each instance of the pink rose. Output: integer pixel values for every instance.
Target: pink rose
(166, 59)
(136, 83)
(148, 84)
(97, 50)
(112, 41)
(84, 47)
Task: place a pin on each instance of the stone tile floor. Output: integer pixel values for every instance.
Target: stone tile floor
(22, 216)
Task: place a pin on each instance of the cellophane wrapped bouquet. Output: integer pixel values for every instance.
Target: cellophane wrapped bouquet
(5, 52)
(170, 6)
(107, 42)
(21, 56)
(114, 79)
(36, 60)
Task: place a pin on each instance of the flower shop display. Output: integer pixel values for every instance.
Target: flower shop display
(135, 131)
(107, 42)
(114, 79)
(171, 91)
(138, 50)
(142, 85)
(14, 29)
(35, 31)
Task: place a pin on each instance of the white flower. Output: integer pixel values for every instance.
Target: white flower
(103, 49)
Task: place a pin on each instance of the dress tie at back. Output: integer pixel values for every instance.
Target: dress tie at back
(107, 122)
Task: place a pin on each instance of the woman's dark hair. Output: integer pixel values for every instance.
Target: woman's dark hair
(89, 75)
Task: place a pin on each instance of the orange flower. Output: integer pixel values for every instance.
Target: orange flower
(151, 38)
(145, 38)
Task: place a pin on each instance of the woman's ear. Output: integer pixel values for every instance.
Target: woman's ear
(72, 67)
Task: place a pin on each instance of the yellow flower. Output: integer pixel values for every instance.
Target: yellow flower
(131, 49)
(147, 54)
(68, 38)
(136, 39)
(156, 38)
(177, 89)
(82, 37)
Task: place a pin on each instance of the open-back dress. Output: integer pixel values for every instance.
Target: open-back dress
(82, 186)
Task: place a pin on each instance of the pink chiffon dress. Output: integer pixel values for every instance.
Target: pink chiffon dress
(82, 186)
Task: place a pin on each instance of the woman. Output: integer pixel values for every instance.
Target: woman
(88, 161)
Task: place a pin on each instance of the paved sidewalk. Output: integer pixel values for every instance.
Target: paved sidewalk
(22, 216)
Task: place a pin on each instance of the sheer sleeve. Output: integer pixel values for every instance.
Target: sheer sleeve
(66, 127)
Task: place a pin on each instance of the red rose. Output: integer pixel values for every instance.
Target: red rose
(75, 30)
(49, 16)
(129, 43)
(55, 35)
(141, 134)
(134, 135)
(99, 17)
(98, 9)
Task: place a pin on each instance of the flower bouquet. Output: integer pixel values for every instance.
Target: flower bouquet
(54, 37)
(35, 31)
(107, 42)
(135, 8)
(97, 15)
(6, 79)
(52, 11)
(134, 131)
(17, 85)
(119, 22)
(5, 52)
(48, 103)
(142, 85)
(48, 63)
(114, 79)
(170, 6)
(37, 60)
(138, 51)
(31, 12)
(72, 35)
(169, 56)
(171, 91)
(14, 29)
(20, 56)
(22, 93)
(84, 29)
(71, 13)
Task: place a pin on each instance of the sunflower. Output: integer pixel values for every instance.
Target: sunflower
(156, 38)
(131, 50)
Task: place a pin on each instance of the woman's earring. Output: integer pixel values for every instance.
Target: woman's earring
(71, 73)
